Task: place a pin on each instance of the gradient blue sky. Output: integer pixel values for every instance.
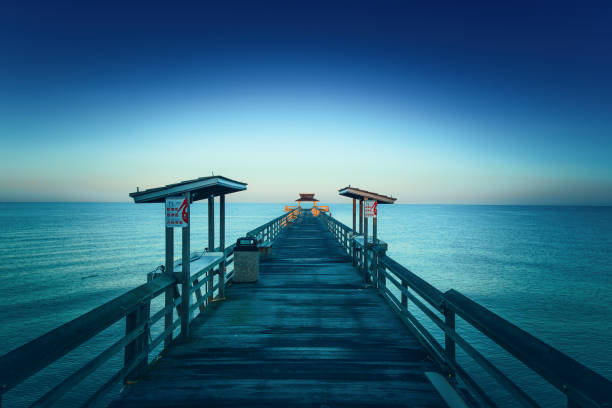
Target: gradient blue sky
(438, 103)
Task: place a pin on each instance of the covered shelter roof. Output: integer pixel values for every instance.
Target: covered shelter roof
(200, 188)
(307, 197)
(358, 194)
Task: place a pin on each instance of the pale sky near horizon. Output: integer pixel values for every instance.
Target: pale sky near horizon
(484, 104)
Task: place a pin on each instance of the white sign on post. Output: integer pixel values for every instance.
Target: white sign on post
(177, 212)
(369, 207)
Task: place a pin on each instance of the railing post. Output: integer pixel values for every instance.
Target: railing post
(381, 278)
(141, 343)
(353, 250)
(347, 244)
(404, 297)
(449, 343)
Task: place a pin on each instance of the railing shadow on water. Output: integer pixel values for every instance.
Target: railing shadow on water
(400, 287)
(138, 345)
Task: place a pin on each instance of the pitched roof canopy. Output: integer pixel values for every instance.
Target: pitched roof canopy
(358, 194)
(307, 197)
(199, 188)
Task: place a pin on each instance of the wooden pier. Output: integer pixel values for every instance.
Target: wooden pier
(330, 322)
(305, 335)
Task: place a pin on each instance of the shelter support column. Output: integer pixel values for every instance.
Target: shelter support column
(354, 230)
(360, 216)
(380, 277)
(374, 230)
(354, 215)
(211, 239)
(222, 245)
(211, 223)
(365, 251)
(186, 278)
(169, 295)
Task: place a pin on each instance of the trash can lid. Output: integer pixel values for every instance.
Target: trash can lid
(246, 244)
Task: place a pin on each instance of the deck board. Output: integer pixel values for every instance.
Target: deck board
(305, 335)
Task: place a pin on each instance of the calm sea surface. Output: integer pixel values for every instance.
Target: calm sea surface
(546, 269)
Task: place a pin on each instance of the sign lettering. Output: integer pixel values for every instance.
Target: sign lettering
(369, 207)
(177, 212)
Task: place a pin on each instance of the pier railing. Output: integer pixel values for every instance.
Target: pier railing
(135, 308)
(582, 386)
(266, 232)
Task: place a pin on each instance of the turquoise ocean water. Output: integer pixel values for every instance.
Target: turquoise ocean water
(546, 269)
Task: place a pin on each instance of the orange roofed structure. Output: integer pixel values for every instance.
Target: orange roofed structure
(308, 197)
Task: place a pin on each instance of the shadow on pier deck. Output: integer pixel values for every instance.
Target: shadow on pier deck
(306, 334)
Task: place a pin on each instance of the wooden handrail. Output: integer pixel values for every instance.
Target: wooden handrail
(24, 361)
(568, 375)
(419, 285)
(21, 363)
(257, 230)
(583, 387)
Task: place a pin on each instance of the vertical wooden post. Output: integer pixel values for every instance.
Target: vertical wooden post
(169, 296)
(380, 276)
(449, 344)
(186, 278)
(374, 230)
(131, 349)
(354, 214)
(404, 297)
(211, 241)
(211, 223)
(222, 245)
(141, 343)
(360, 216)
(365, 251)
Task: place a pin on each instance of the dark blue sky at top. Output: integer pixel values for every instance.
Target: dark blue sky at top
(531, 42)
(547, 63)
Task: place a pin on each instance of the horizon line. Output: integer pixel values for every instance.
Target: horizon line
(327, 203)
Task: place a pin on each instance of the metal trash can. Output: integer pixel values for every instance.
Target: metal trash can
(246, 260)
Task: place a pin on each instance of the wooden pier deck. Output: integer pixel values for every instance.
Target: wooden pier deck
(305, 335)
